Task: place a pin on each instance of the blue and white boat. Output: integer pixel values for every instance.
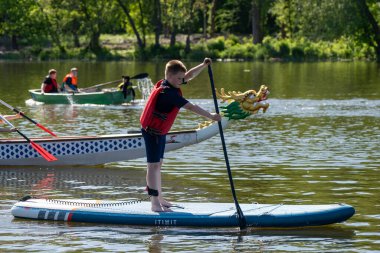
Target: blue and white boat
(93, 150)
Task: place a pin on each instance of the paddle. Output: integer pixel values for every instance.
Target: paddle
(26, 117)
(242, 221)
(45, 154)
(138, 76)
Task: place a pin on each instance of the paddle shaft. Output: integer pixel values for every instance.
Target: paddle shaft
(138, 76)
(45, 154)
(26, 117)
(18, 131)
(242, 221)
(101, 84)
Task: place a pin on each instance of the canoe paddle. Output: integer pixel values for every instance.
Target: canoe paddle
(242, 221)
(26, 117)
(138, 76)
(45, 154)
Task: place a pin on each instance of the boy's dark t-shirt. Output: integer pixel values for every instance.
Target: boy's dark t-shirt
(169, 98)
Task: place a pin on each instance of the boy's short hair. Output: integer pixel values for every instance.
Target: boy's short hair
(175, 66)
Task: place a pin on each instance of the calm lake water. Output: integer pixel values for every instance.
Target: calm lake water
(318, 143)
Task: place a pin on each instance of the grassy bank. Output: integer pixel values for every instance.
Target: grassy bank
(121, 47)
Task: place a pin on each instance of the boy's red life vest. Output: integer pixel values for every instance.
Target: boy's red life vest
(74, 80)
(156, 122)
(51, 87)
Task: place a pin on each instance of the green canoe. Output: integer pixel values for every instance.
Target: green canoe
(103, 97)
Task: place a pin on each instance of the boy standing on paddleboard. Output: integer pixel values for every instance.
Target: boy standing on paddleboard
(157, 118)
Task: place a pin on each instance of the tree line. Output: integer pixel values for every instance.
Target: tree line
(70, 24)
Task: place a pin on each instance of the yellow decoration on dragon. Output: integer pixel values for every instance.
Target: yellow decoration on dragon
(241, 105)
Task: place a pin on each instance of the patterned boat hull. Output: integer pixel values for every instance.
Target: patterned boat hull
(93, 150)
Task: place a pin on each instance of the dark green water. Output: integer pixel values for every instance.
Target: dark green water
(318, 143)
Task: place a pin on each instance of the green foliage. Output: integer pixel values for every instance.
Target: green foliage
(292, 30)
(228, 16)
(217, 44)
(199, 52)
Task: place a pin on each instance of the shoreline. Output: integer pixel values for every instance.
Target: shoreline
(230, 48)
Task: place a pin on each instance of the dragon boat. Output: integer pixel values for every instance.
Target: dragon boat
(93, 150)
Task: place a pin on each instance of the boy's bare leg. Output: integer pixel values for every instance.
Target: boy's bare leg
(153, 180)
(163, 202)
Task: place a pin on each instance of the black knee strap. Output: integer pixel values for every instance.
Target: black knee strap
(151, 192)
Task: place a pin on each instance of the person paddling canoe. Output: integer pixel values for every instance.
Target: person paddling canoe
(70, 81)
(157, 118)
(127, 88)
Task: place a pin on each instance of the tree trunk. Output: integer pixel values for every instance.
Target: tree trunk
(142, 22)
(173, 37)
(76, 40)
(132, 23)
(373, 23)
(158, 22)
(94, 44)
(75, 28)
(290, 19)
(205, 23)
(256, 20)
(14, 42)
(189, 26)
(212, 18)
(188, 46)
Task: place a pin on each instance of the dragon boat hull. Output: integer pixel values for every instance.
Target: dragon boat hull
(104, 97)
(184, 214)
(93, 150)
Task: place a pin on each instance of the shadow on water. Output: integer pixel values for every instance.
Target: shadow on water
(332, 231)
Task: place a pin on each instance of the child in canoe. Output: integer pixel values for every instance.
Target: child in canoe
(157, 118)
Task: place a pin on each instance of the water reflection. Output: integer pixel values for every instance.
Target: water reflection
(84, 237)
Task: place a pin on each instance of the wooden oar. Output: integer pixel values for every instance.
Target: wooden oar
(26, 117)
(242, 221)
(138, 76)
(45, 154)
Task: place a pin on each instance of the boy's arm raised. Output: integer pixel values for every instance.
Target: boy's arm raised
(193, 72)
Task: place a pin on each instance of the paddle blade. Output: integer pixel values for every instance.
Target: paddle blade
(46, 130)
(45, 154)
(140, 76)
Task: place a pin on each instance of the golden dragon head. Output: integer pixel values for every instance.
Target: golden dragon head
(242, 104)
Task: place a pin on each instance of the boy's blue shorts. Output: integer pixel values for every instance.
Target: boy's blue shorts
(154, 146)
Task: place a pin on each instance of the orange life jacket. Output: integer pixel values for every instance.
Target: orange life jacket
(156, 122)
(74, 79)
